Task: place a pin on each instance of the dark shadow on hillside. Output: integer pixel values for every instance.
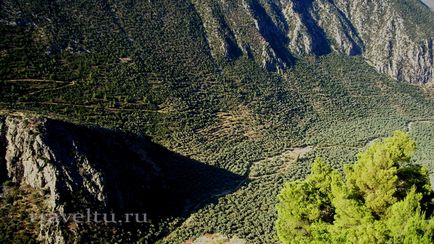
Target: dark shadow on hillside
(320, 43)
(278, 11)
(137, 175)
(358, 45)
(276, 37)
(233, 51)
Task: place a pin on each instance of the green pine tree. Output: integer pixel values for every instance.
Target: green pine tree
(380, 199)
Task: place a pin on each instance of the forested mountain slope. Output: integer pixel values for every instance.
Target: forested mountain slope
(395, 36)
(254, 89)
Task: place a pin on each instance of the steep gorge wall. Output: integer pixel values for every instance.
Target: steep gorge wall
(395, 36)
(394, 44)
(274, 31)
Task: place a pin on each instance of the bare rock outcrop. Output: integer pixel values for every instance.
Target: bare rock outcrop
(274, 32)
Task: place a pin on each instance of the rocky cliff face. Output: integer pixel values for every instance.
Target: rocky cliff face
(82, 168)
(71, 166)
(63, 161)
(394, 44)
(386, 32)
(395, 36)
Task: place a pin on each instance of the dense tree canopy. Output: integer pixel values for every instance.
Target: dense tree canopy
(380, 199)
